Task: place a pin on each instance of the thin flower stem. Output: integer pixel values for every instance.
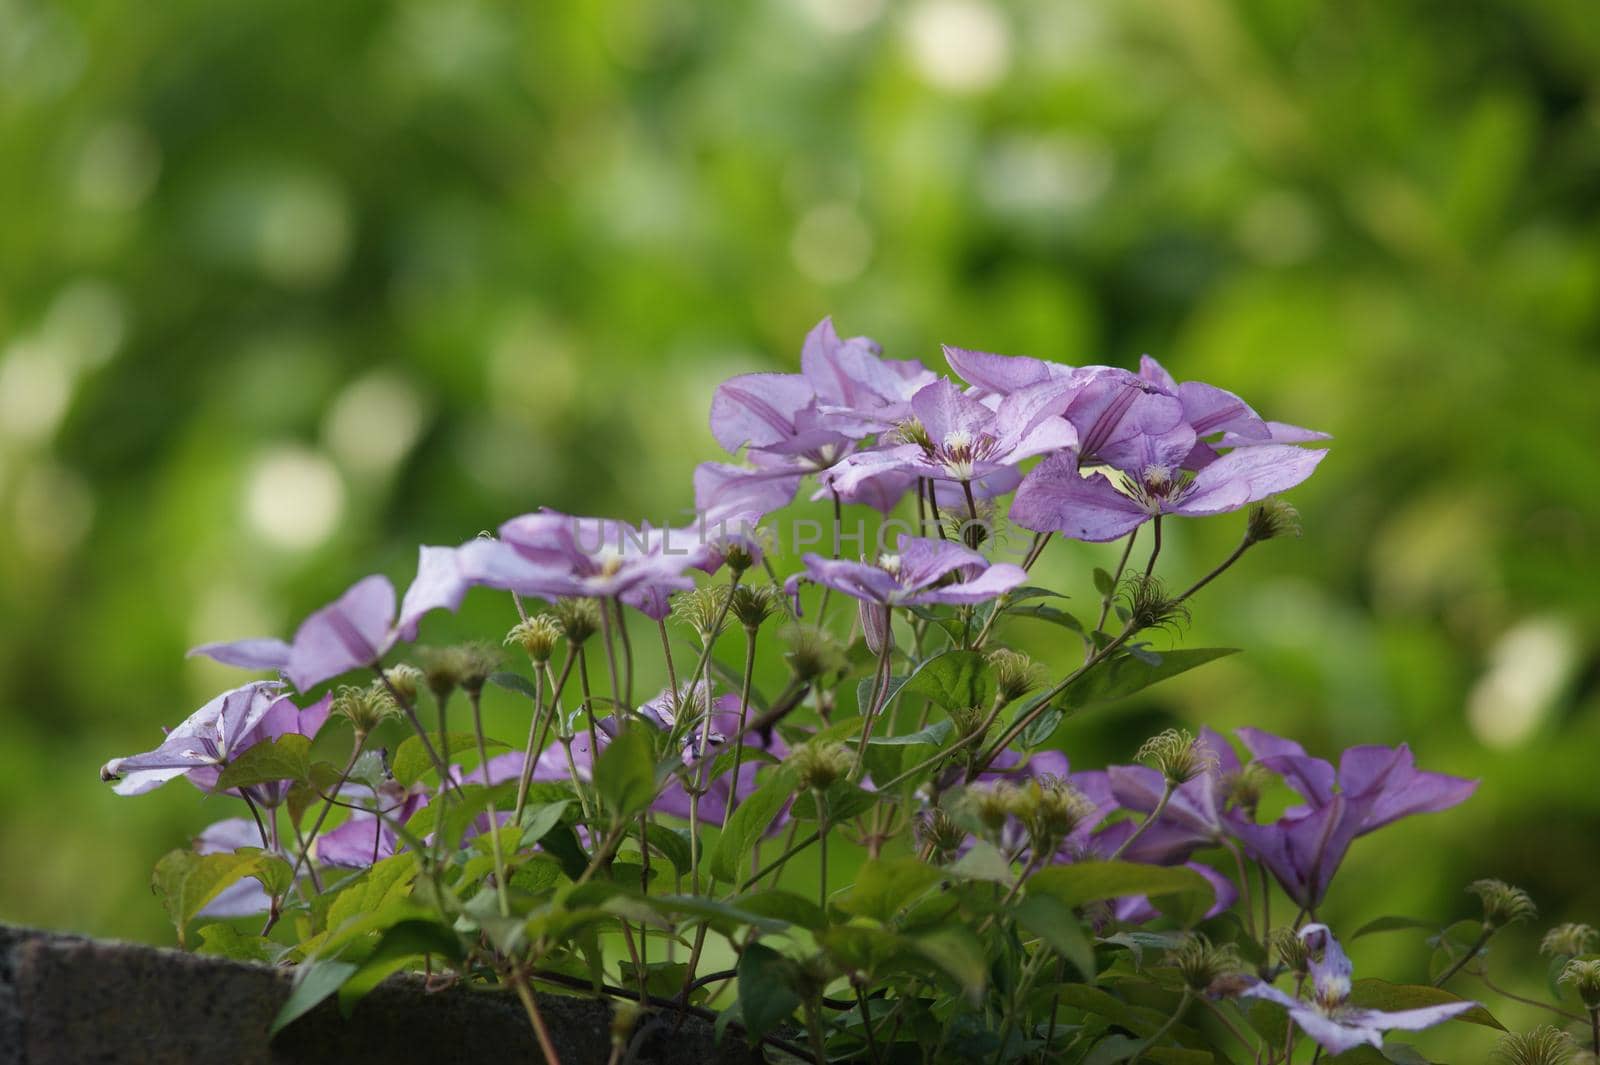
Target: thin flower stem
(822, 849)
(838, 523)
(866, 1023)
(547, 1049)
(1116, 576)
(1461, 962)
(880, 687)
(588, 706)
(1183, 1004)
(745, 684)
(627, 652)
(538, 734)
(255, 814)
(1155, 815)
(777, 863)
(1155, 549)
(1040, 542)
(322, 816)
(1221, 567)
(608, 637)
(1513, 996)
(1244, 889)
(666, 652)
(474, 697)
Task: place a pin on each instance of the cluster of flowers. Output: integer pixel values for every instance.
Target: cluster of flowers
(1115, 450)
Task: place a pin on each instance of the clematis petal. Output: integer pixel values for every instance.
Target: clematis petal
(1055, 497)
(440, 582)
(1001, 375)
(1247, 475)
(257, 653)
(350, 632)
(758, 409)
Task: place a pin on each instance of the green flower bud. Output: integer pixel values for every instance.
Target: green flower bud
(579, 619)
(701, 611)
(935, 829)
(813, 653)
(365, 707)
(1149, 605)
(405, 681)
(1290, 949)
(753, 604)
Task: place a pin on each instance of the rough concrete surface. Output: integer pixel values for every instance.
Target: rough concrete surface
(66, 1000)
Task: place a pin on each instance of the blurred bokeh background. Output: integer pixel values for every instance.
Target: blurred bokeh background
(287, 289)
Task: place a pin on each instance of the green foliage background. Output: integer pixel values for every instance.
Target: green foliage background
(286, 289)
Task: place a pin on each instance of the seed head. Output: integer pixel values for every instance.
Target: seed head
(992, 802)
(1149, 606)
(701, 611)
(816, 765)
(1583, 976)
(813, 653)
(1015, 674)
(466, 666)
(1202, 963)
(1503, 904)
(579, 619)
(1176, 756)
(1290, 949)
(405, 680)
(753, 604)
(1051, 809)
(1269, 519)
(365, 707)
(1545, 1045)
(936, 829)
(1243, 789)
(537, 636)
(1568, 940)
(912, 431)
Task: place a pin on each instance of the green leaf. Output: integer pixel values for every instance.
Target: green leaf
(313, 982)
(956, 680)
(783, 906)
(884, 886)
(537, 821)
(1058, 926)
(323, 778)
(537, 875)
(1377, 994)
(286, 758)
(625, 774)
(934, 735)
(1023, 593)
(515, 682)
(387, 881)
(186, 881)
(864, 692)
(411, 759)
(845, 798)
(1047, 613)
(1123, 675)
(983, 862)
(400, 943)
(1104, 583)
(957, 951)
(273, 873)
(673, 845)
(767, 995)
(226, 941)
(748, 823)
(1403, 1054)
(1393, 924)
(1084, 882)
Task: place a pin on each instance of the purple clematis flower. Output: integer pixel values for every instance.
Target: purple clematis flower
(1327, 1016)
(1057, 497)
(209, 738)
(962, 440)
(859, 392)
(1374, 786)
(354, 631)
(282, 718)
(1210, 410)
(921, 573)
(366, 838)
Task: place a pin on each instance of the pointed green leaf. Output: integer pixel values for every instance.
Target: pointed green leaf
(286, 758)
(748, 823)
(955, 680)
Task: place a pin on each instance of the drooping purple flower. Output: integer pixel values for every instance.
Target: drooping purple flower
(1373, 787)
(354, 631)
(962, 440)
(922, 572)
(1328, 1018)
(1057, 497)
(282, 718)
(368, 836)
(210, 737)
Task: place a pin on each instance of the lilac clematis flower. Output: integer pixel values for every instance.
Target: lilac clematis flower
(1210, 410)
(859, 392)
(1328, 1018)
(210, 737)
(1057, 497)
(1375, 787)
(366, 838)
(922, 572)
(962, 440)
(354, 631)
(282, 718)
